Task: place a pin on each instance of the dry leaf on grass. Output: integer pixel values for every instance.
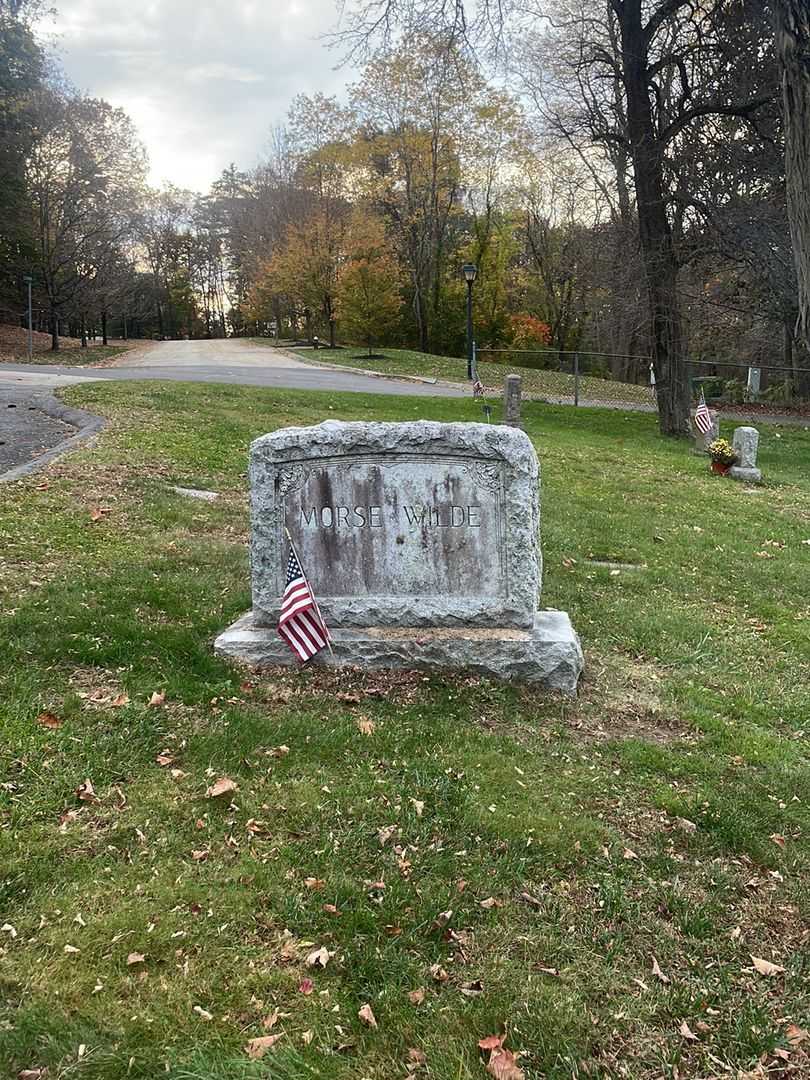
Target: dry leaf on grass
(503, 1065)
(778, 839)
(438, 973)
(86, 792)
(330, 909)
(135, 958)
(365, 726)
(628, 853)
(49, 720)
(796, 1035)
(164, 758)
(120, 700)
(32, 1074)
(204, 1013)
(366, 1014)
(416, 1056)
(442, 919)
(271, 1020)
(765, 967)
(416, 997)
(223, 786)
(258, 1047)
(318, 957)
(658, 973)
(157, 698)
(306, 986)
(314, 883)
(472, 989)
(490, 903)
(418, 806)
(687, 1032)
(71, 950)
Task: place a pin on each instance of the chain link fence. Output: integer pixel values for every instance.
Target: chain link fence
(570, 378)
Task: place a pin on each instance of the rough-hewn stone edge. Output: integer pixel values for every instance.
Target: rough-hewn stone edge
(549, 654)
(747, 475)
(88, 425)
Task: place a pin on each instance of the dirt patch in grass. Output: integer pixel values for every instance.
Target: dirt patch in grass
(620, 698)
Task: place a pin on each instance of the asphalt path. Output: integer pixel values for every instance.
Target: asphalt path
(231, 361)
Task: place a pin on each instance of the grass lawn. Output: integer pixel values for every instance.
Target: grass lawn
(410, 362)
(466, 858)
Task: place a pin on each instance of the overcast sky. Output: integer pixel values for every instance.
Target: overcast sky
(204, 80)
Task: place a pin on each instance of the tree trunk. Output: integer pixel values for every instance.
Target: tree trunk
(84, 331)
(792, 22)
(104, 327)
(660, 263)
(124, 326)
(54, 331)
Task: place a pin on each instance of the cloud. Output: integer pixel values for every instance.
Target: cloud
(204, 81)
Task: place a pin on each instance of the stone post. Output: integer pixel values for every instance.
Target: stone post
(746, 443)
(511, 401)
(702, 441)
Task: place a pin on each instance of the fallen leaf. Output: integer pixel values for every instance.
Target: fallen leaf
(71, 949)
(366, 1014)
(416, 997)
(438, 973)
(442, 919)
(306, 986)
(32, 1074)
(330, 909)
(7, 928)
(49, 720)
(223, 786)
(365, 726)
(416, 1056)
(157, 698)
(86, 792)
(348, 698)
(656, 970)
(687, 1032)
(307, 1037)
(549, 971)
(318, 958)
(418, 807)
(384, 835)
(491, 1042)
(778, 839)
(135, 958)
(472, 989)
(532, 901)
(628, 853)
(796, 1035)
(685, 824)
(314, 883)
(204, 1013)
(503, 1065)
(199, 854)
(119, 701)
(271, 1020)
(765, 967)
(164, 758)
(258, 1047)
(490, 903)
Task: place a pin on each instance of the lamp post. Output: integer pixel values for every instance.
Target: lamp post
(28, 281)
(470, 272)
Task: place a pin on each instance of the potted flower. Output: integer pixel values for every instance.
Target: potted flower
(723, 455)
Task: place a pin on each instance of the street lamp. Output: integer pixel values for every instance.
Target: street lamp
(470, 272)
(28, 280)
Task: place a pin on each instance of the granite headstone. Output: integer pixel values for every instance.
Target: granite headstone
(420, 542)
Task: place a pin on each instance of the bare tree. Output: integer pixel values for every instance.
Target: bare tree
(792, 22)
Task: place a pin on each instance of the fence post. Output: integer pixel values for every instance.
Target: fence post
(576, 378)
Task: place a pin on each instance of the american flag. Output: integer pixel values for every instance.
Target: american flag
(300, 622)
(703, 418)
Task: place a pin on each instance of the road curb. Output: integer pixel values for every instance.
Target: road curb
(88, 425)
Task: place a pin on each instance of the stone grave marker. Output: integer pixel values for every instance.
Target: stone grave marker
(511, 400)
(702, 441)
(746, 442)
(420, 543)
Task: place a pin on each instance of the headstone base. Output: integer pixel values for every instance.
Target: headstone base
(548, 653)
(748, 476)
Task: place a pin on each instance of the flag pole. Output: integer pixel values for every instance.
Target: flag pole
(312, 594)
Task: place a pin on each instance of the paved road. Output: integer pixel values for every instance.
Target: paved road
(231, 360)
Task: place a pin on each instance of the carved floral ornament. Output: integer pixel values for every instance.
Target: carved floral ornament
(293, 477)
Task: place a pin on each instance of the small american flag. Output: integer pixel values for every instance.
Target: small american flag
(703, 418)
(300, 622)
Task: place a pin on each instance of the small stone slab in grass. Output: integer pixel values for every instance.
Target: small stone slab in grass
(197, 493)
